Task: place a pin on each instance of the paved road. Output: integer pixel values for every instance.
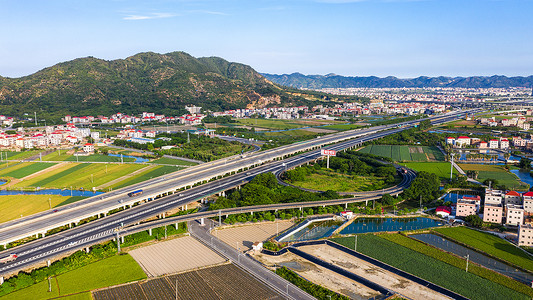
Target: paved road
(104, 228)
(268, 277)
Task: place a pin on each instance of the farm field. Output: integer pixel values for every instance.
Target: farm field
(405, 153)
(442, 169)
(24, 169)
(172, 161)
(209, 283)
(13, 206)
(57, 156)
(490, 244)
(155, 172)
(290, 133)
(80, 175)
(274, 124)
(176, 255)
(107, 272)
(324, 180)
(497, 172)
(418, 264)
(342, 126)
(244, 236)
(13, 155)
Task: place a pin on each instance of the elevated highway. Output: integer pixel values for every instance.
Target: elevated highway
(105, 228)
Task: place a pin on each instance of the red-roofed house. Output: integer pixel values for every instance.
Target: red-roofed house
(512, 197)
(528, 201)
(493, 213)
(88, 148)
(483, 145)
(504, 143)
(443, 211)
(493, 144)
(450, 140)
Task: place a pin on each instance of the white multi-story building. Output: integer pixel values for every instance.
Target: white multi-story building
(514, 214)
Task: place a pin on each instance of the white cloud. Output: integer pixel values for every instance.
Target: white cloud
(149, 16)
(209, 12)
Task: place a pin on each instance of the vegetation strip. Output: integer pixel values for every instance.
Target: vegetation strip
(455, 261)
(312, 289)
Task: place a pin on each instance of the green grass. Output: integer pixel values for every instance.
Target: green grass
(172, 161)
(490, 244)
(100, 158)
(497, 172)
(156, 172)
(442, 169)
(107, 272)
(431, 269)
(270, 124)
(26, 169)
(324, 180)
(460, 263)
(342, 126)
(72, 168)
(56, 156)
(12, 206)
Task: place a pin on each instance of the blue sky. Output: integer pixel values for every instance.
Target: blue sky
(404, 38)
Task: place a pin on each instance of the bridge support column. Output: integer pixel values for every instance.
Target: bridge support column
(252, 213)
(122, 239)
(1, 280)
(48, 263)
(176, 225)
(163, 215)
(185, 206)
(346, 205)
(202, 222)
(366, 202)
(87, 249)
(150, 231)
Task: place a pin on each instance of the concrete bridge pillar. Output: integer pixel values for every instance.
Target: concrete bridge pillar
(366, 202)
(346, 205)
(185, 206)
(251, 213)
(150, 231)
(1, 280)
(176, 225)
(122, 239)
(202, 222)
(87, 249)
(48, 263)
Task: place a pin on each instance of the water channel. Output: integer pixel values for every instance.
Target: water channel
(524, 177)
(474, 256)
(322, 229)
(137, 158)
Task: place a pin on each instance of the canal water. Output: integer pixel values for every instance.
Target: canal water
(364, 225)
(322, 229)
(137, 158)
(453, 197)
(524, 177)
(474, 256)
(51, 192)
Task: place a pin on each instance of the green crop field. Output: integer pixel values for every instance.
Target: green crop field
(57, 156)
(100, 158)
(431, 269)
(11, 155)
(172, 161)
(80, 175)
(458, 262)
(24, 169)
(405, 153)
(497, 172)
(155, 172)
(342, 126)
(270, 124)
(490, 244)
(290, 133)
(13, 206)
(107, 272)
(442, 169)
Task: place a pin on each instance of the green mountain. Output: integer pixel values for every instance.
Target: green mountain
(161, 83)
(298, 80)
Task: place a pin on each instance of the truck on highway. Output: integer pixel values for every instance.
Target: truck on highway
(135, 193)
(9, 258)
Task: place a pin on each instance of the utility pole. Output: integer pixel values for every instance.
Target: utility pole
(35, 117)
(467, 259)
(188, 138)
(50, 202)
(355, 244)
(451, 167)
(420, 202)
(118, 242)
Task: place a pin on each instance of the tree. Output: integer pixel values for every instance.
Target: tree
(474, 220)
(266, 179)
(426, 124)
(387, 199)
(525, 163)
(425, 187)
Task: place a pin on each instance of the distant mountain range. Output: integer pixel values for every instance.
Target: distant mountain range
(161, 83)
(298, 80)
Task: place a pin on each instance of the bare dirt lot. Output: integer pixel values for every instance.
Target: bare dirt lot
(213, 283)
(243, 236)
(174, 256)
(319, 275)
(369, 271)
